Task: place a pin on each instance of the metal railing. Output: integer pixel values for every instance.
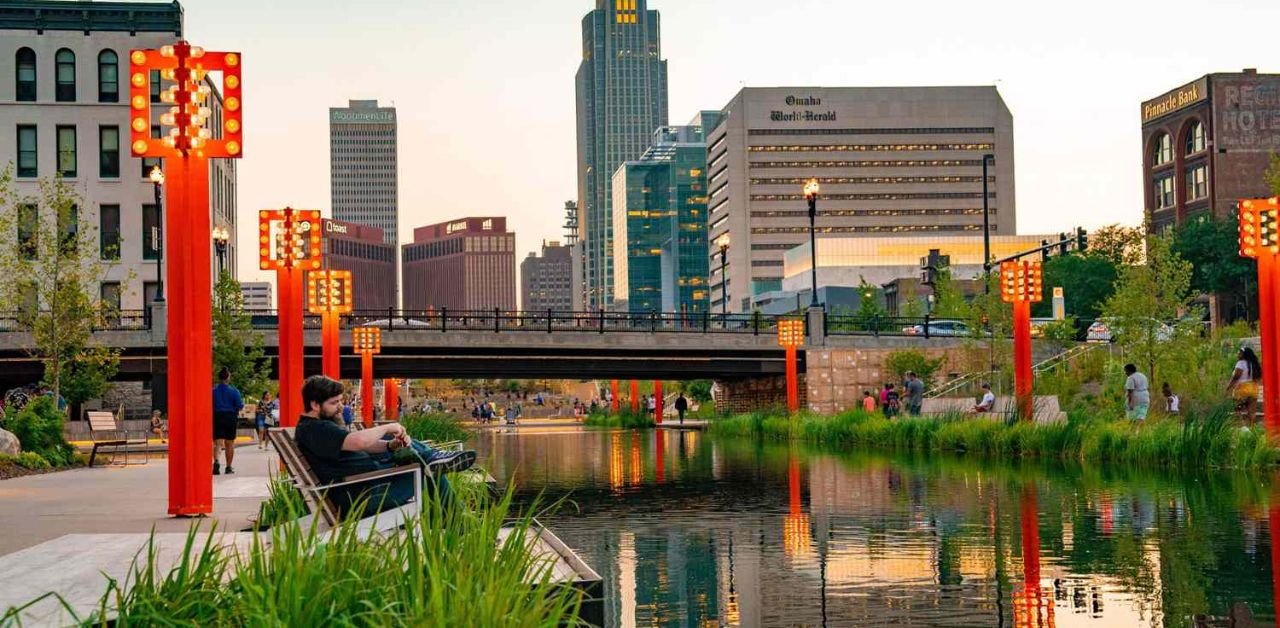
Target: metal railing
(121, 320)
(445, 320)
(855, 325)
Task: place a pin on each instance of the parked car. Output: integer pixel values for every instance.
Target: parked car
(943, 329)
(1104, 331)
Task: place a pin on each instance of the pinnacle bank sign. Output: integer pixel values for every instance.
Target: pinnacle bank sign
(802, 115)
(362, 116)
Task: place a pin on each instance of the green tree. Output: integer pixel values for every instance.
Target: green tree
(1273, 174)
(948, 300)
(1121, 245)
(1088, 281)
(899, 363)
(236, 347)
(56, 268)
(698, 390)
(1211, 246)
(1151, 306)
(871, 314)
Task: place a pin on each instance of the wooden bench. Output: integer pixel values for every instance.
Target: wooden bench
(104, 432)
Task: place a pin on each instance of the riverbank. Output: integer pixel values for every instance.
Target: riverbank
(1200, 440)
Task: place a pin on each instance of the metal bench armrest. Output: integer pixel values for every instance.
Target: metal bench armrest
(365, 477)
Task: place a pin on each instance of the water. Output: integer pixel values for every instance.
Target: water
(693, 531)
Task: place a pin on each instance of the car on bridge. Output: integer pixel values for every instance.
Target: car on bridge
(941, 329)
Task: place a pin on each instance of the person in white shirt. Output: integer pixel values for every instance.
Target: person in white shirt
(1244, 382)
(988, 402)
(1137, 393)
(1172, 404)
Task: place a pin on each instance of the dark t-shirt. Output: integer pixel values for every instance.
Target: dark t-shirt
(321, 444)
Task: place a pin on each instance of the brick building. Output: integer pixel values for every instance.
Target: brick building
(372, 262)
(1207, 144)
(465, 264)
(547, 282)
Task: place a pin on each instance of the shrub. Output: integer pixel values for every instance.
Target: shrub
(899, 363)
(31, 460)
(439, 428)
(39, 427)
(625, 420)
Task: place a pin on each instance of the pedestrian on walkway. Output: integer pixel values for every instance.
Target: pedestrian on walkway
(653, 405)
(1244, 383)
(890, 401)
(227, 404)
(915, 394)
(1137, 393)
(682, 406)
(868, 402)
(348, 413)
(260, 415)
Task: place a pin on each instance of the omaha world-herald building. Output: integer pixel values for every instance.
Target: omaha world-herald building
(890, 161)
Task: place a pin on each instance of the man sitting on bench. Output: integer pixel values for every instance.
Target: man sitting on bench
(988, 402)
(335, 454)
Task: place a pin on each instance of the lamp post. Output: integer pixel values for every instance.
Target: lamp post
(811, 190)
(157, 238)
(329, 295)
(289, 243)
(986, 225)
(187, 149)
(723, 243)
(1260, 239)
(367, 341)
(1021, 285)
(220, 239)
(791, 336)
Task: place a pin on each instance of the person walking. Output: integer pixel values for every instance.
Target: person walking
(260, 415)
(868, 402)
(682, 406)
(1137, 391)
(1172, 404)
(227, 404)
(890, 401)
(1244, 383)
(652, 404)
(348, 412)
(915, 394)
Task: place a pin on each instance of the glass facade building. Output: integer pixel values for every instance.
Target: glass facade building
(621, 99)
(660, 223)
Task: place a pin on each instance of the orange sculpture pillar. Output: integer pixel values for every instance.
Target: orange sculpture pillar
(391, 399)
(1031, 609)
(614, 402)
(790, 337)
(289, 243)
(1021, 285)
(367, 342)
(1260, 240)
(329, 295)
(659, 402)
(187, 148)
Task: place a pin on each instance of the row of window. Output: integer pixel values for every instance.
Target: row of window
(1197, 187)
(871, 197)
(361, 250)
(26, 73)
(870, 163)
(867, 229)
(914, 131)
(868, 180)
(65, 145)
(1193, 141)
(861, 148)
(109, 232)
(848, 213)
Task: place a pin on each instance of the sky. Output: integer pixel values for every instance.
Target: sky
(485, 88)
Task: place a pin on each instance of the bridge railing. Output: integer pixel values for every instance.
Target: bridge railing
(918, 327)
(444, 320)
(110, 320)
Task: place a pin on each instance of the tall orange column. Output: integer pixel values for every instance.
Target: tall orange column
(291, 343)
(614, 402)
(790, 337)
(391, 399)
(366, 341)
(331, 345)
(635, 397)
(1259, 228)
(1021, 285)
(186, 149)
(329, 295)
(659, 402)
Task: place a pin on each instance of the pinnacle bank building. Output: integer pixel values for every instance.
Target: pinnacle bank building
(890, 160)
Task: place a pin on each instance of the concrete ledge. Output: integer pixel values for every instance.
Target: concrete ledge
(1047, 409)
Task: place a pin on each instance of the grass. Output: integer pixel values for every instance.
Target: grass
(1209, 439)
(446, 569)
(625, 420)
(435, 427)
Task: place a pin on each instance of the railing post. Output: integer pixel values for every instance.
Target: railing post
(497, 322)
(755, 322)
(653, 321)
(444, 319)
(706, 321)
(602, 320)
(926, 326)
(549, 319)
(875, 324)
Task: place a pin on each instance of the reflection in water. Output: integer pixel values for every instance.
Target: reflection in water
(690, 531)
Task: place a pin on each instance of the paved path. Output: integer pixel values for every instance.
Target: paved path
(39, 508)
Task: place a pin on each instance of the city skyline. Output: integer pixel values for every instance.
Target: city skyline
(498, 116)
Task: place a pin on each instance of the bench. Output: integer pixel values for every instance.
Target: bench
(105, 433)
(1047, 408)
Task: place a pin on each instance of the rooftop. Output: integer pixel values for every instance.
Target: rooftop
(86, 17)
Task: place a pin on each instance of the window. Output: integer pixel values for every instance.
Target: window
(28, 223)
(28, 165)
(1163, 151)
(1195, 138)
(69, 230)
(65, 76)
(109, 231)
(1164, 192)
(155, 86)
(150, 232)
(108, 76)
(109, 152)
(152, 162)
(67, 151)
(109, 298)
(25, 73)
(1197, 182)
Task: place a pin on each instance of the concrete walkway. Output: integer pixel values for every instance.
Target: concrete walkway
(39, 508)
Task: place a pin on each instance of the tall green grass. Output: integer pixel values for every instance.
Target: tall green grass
(445, 569)
(435, 427)
(626, 420)
(1209, 439)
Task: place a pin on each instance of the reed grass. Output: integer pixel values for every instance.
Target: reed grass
(624, 420)
(438, 428)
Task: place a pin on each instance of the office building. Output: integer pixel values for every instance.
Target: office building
(546, 281)
(257, 296)
(372, 262)
(1208, 144)
(465, 264)
(660, 223)
(64, 110)
(895, 161)
(363, 183)
(621, 99)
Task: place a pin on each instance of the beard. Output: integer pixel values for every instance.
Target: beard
(335, 417)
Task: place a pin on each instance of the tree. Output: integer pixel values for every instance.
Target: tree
(1152, 304)
(236, 347)
(899, 363)
(1273, 174)
(1089, 280)
(948, 300)
(871, 314)
(1122, 246)
(56, 268)
(1211, 246)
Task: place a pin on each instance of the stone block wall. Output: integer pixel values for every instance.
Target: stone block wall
(836, 378)
(750, 395)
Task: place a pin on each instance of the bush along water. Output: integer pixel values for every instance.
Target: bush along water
(447, 568)
(625, 420)
(438, 428)
(1201, 439)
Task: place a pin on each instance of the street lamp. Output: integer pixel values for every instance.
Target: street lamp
(723, 242)
(157, 238)
(220, 239)
(811, 189)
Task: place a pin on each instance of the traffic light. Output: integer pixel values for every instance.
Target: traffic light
(1082, 240)
(1044, 250)
(1063, 240)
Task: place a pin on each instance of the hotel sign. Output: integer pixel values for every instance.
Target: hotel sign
(805, 115)
(1175, 100)
(1247, 113)
(362, 116)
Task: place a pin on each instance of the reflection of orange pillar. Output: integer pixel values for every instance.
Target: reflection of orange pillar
(187, 229)
(659, 461)
(635, 397)
(1273, 521)
(659, 402)
(793, 381)
(391, 399)
(793, 486)
(1023, 377)
(1267, 311)
(614, 401)
(366, 388)
(1030, 522)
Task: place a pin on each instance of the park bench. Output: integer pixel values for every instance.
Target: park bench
(1047, 408)
(105, 433)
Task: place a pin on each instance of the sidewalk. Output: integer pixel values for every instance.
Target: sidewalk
(118, 499)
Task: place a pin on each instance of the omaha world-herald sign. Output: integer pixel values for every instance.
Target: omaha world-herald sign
(802, 115)
(360, 116)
